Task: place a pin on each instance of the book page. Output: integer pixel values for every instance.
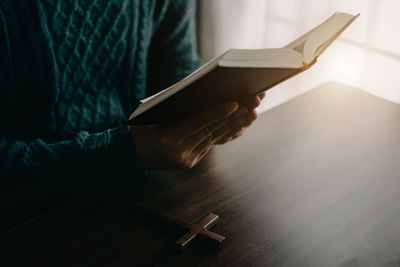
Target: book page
(327, 32)
(262, 58)
(298, 44)
(325, 45)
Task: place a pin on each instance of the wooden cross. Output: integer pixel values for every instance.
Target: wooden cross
(194, 229)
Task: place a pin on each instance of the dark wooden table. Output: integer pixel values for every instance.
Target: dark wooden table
(315, 182)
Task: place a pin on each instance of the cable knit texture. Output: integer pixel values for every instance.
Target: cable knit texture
(71, 72)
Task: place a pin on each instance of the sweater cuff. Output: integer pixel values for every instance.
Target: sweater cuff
(112, 155)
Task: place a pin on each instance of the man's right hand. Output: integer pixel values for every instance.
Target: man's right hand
(186, 143)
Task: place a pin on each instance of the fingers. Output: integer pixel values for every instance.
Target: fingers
(239, 128)
(201, 120)
(202, 149)
(254, 101)
(226, 130)
(197, 154)
(216, 129)
(195, 140)
(205, 145)
(221, 132)
(251, 117)
(235, 116)
(235, 133)
(188, 142)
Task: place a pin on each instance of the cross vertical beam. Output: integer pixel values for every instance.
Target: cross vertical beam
(194, 229)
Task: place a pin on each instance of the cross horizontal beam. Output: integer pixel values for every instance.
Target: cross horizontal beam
(194, 229)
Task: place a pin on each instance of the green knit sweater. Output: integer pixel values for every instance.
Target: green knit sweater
(71, 72)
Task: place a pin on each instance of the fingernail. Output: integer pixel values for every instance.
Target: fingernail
(238, 130)
(231, 107)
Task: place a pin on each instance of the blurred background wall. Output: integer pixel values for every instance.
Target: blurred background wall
(366, 56)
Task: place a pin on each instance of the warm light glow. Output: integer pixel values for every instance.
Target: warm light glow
(346, 64)
(366, 56)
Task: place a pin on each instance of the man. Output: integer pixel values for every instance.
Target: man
(71, 73)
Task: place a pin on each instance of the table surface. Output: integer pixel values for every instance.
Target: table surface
(315, 182)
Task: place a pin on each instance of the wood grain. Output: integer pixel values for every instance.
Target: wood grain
(315, 182)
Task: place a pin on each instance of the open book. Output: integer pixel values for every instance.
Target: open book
(238, 74)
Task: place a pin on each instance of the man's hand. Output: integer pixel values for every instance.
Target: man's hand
(186, 143)
(251, 116)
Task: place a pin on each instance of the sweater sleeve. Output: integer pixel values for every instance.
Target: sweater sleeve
(75, 163)
(173, 50)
